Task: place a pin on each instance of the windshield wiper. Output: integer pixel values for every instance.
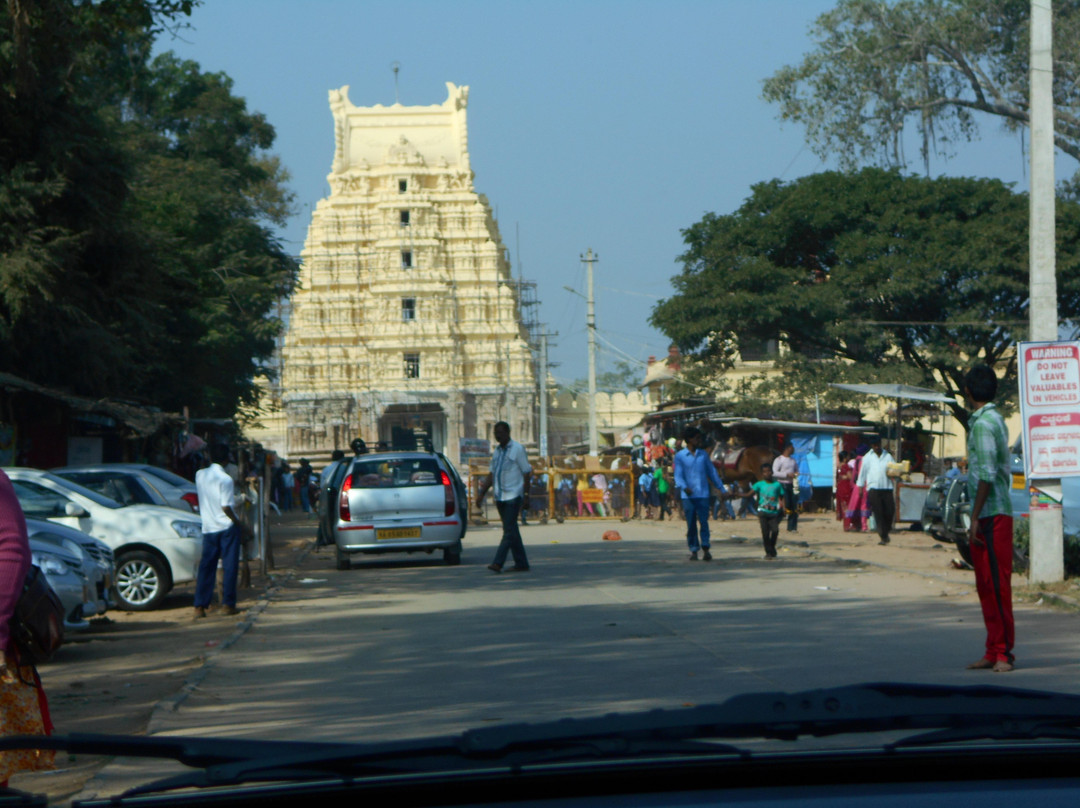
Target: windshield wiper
(955, 713)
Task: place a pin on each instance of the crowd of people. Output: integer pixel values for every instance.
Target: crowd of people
(290, 489)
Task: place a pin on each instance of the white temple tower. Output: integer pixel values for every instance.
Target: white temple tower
(407, 322)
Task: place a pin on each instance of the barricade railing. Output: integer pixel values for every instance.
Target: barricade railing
(562, 493)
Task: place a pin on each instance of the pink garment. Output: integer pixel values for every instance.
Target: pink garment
(14, 556)
(858, 509)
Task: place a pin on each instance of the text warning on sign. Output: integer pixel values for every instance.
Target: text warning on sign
(1053, 375)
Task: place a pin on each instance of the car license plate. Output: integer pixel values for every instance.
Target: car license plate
(398, 533)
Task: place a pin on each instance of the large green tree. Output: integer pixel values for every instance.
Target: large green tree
(871, 276)
(882, 69)
(136, 200)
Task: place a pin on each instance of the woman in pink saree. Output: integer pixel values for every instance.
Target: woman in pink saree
(844, 485)
(858, 509)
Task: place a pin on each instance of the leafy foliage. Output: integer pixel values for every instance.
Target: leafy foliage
(881, 67)
(136, 259)
(621, 377)
(1022, 543)
(873, 276)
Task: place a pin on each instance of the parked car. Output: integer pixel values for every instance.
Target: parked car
(126, 487)
(177, 491)
(63, 570)
(155, 547)
(400, 502)
(98, 558)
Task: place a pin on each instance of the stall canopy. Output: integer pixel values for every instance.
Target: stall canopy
(899, 392)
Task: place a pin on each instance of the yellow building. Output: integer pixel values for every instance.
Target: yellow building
(407, 322)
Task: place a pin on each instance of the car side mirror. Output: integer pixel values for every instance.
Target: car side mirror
(73, 509)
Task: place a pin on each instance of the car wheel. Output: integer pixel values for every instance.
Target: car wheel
(142, 581)
(452, 557)
(343, 562)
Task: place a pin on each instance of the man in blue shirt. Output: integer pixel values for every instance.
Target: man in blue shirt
(510, 472)
(693, 473)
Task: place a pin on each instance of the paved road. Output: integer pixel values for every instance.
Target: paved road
(405, 646)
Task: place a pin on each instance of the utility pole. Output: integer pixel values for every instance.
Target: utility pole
(590, 323)
(543, 394)
(1047, 563)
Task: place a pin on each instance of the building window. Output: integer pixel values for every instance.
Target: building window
(404, 218)
(402, 186)
(408, 309)
(755, 349)
(406, 259)
(412, 366)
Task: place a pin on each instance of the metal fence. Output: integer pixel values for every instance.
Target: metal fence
(563, 493)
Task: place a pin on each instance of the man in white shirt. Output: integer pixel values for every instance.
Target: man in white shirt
(785, 470)
(509, 475)
(879, 488)
(221, 530)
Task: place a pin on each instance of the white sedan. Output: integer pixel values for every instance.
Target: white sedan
(154, 546)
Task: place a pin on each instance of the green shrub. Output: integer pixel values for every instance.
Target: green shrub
(1022, 548)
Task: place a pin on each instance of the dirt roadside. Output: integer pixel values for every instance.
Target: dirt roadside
(109, 677)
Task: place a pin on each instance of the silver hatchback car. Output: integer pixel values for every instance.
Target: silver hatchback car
(400, 502)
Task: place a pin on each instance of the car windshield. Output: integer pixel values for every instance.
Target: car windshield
(44, 500)
(507, 363)
(166, 476)
(123, 488)
(395, 472)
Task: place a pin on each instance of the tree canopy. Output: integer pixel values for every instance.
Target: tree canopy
(868, 276)
(938, 65)
(136, 201)
(619, 377)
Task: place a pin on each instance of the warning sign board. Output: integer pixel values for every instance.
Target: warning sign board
(1050, 408)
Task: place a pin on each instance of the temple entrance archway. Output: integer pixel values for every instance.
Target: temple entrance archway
(407, 427)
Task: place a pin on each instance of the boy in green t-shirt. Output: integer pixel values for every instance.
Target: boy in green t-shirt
(662, 488)
(770, 506)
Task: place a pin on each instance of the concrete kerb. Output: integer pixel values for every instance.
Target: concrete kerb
(167, 706)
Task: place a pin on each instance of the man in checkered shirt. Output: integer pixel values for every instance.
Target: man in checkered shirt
(991, 534)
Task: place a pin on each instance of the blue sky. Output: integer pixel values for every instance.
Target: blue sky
(592, 123)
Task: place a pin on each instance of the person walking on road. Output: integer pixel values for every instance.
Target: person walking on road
(858, 512)
(874, 476)
(693, 473)
(845, 484)
(24, 710)
(221, 529)
(510, 471)
(661, 490)
(770, 507)
(303, 483)
(786, 471)
(991, 536)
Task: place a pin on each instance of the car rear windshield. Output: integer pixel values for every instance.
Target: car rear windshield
(167, 476)
(395, 472)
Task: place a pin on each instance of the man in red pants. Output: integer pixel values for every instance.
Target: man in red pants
(991, 536)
